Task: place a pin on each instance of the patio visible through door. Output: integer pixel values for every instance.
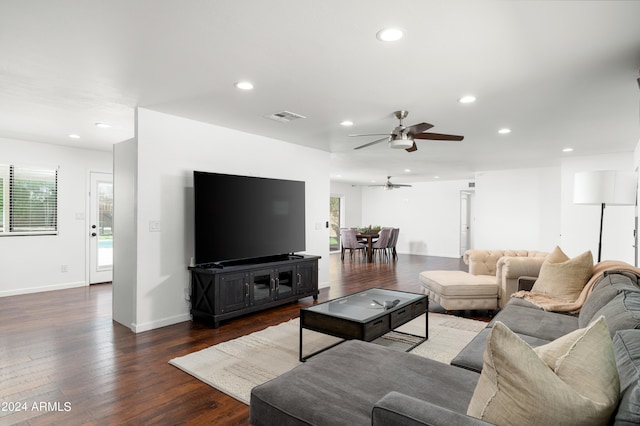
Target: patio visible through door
(101, 228)
(334, 228)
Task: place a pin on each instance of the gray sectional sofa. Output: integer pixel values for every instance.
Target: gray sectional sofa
(358, 383)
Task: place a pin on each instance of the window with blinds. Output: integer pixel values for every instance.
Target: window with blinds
(28, 200)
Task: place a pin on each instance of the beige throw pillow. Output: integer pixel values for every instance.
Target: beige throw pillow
(570, 381)
(562, 277)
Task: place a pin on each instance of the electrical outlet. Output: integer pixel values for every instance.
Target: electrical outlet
(64, 268)
(154, 226)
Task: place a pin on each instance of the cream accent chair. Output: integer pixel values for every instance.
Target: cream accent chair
(507, 266)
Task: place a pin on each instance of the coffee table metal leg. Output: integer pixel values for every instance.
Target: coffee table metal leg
(301, 359)
(305, 358)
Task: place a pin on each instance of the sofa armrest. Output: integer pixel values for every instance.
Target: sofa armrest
(509, 269)
(399, 409)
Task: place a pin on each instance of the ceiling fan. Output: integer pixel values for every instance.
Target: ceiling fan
(404, 137)
(389, 185)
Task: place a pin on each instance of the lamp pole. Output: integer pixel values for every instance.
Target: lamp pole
(600, 239)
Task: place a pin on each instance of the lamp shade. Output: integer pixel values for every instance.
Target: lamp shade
(610, 187)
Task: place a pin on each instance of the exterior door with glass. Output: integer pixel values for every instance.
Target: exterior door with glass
(101, 228)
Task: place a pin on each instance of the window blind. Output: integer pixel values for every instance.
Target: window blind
(29, 200)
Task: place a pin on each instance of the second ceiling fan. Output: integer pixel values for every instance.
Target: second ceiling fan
(402, 137)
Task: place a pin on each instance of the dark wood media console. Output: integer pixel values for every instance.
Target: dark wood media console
(220, 292)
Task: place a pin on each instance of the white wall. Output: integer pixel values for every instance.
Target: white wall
(352, 203)
(518, 209)
(581, 223)
(34, 263)
(428, 215)
(528, 209)
(169, 149)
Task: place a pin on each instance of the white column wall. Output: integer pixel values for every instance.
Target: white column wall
(169, 149)
(352, 207)
(34, 263)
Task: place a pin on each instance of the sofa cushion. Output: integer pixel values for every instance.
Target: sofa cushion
(570, 381)
(470, 357)
(562, 277)
(535, 322)
(626, 345)
(349, 379)
(622, 312)
(601, 294)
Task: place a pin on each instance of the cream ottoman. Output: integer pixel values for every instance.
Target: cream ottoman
(459, 290)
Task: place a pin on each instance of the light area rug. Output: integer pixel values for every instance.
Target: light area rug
(236, 366)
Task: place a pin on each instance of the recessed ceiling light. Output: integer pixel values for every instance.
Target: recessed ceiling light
(467, 99)
(567, 150)
(74, 136)
(504, 131)
(347, 123)
(103, 125)
(244, 85)
(436, 177)
(389, 34)
(407, 170)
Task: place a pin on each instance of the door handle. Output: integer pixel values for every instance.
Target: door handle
(93, 234)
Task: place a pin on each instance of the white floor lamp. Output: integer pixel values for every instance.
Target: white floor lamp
(605, 187)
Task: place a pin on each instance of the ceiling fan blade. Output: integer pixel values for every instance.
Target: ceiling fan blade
(438, 137)
(412, 148)
(418, 128)
(370, 134)
(401, 185)
(372, 143)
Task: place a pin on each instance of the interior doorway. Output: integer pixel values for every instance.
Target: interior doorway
(466, 220)
(101, 228)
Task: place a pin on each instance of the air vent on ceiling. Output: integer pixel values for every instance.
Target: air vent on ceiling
(472, 184)
(285, 116)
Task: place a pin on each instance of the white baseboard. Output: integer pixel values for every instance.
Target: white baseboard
(151, 325)
(40, 289)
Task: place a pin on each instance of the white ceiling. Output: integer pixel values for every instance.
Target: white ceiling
(558, 73)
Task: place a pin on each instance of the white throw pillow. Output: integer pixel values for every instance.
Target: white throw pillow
(562, 277)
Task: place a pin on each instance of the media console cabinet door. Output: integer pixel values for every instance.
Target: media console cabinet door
(233, 292)
(307, 276)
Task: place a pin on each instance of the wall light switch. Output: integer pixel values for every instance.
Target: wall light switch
(154, 226)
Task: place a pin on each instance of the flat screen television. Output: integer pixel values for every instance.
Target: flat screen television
(244, 217)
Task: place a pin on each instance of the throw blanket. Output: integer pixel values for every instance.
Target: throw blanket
(553, 304)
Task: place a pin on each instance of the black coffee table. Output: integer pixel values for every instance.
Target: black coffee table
(363, 316)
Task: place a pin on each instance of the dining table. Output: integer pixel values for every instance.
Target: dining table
(369, 237)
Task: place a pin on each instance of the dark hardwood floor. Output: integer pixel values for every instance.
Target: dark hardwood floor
(64, 361)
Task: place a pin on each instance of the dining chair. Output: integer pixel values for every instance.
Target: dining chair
(350, 242)
(381, 243)
(391, 246)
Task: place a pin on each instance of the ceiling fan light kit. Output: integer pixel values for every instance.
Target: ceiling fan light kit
(402, 143)
(402, 137)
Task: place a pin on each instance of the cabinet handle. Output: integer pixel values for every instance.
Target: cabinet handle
(247, 288)
(299, 279)
(402, 312)
(277, 284)
(377, 322)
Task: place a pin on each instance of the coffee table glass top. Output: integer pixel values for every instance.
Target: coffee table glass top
(364, 305)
